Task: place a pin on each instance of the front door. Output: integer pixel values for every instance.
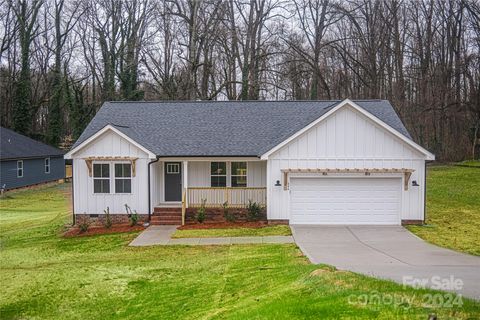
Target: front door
(173, 181)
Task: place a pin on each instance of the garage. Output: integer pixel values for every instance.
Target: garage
(345, 200)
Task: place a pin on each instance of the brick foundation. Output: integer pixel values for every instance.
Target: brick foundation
(99, 220)
(217, 215)
(411, 222)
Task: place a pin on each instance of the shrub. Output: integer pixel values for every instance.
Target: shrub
(84, 223)
(108, 220)
(132, 215)
(254, 211)
(226, 213)
(201, 212)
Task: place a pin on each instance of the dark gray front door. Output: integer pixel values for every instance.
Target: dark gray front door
(173, 181)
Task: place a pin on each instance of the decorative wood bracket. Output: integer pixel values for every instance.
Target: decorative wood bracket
(406, 179)
(89, 161)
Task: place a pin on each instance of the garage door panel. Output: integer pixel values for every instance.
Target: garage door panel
(345, 200)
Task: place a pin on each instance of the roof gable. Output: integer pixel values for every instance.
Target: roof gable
(219, 128)
(16, 146)
(101, 133)
(345, 104)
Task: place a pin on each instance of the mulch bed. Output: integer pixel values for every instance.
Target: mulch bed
(224, 225)
(96, 230)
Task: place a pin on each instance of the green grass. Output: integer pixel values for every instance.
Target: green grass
(470, 163)
(45, 276)
(234, 232)
(453, 208)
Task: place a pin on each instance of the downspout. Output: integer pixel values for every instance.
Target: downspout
(149, 194)
(73, 198)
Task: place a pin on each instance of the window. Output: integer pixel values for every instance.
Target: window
(123, 178)
(20, 169)
(173, 168)
(239, 174)
(47, 165)
(218, 174)
(101, 178)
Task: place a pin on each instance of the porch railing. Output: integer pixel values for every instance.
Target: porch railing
(235, 197)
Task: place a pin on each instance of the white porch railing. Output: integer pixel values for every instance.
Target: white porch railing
(235, 197)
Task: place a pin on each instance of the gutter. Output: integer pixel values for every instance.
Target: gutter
(149, 193)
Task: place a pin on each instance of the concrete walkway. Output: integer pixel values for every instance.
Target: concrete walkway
(161, 235)
(154, 235)
(389, 252)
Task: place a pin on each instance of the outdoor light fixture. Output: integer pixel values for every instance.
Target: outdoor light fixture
(415, 184)
(278, 184)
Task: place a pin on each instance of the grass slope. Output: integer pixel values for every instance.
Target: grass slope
(453, 208)
(45, 276)
(234, 232)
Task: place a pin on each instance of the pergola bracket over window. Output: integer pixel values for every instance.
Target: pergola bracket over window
(406, 172)
(90, 160)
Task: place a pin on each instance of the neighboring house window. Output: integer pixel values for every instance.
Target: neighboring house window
(239, 174)
(20, 169)
(47, 165)
(218, 174)
(101, 178)
(123, 178)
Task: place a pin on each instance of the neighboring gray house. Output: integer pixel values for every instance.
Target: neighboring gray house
(307, 162)
(24, 161)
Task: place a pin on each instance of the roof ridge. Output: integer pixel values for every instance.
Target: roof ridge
(236, 101)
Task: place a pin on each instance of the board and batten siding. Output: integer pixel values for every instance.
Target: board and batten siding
(346, 139)
(109, 144)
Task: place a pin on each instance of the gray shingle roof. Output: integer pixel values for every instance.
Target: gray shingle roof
(16, 146)
(220, 128)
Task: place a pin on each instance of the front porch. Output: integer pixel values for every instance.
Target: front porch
(180, 187)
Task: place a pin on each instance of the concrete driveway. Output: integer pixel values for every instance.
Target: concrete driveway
(390, 252)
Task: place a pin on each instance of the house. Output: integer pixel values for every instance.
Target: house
(308, 162)
(25, 162)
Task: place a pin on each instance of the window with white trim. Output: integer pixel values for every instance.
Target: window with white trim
(20, 169)
(218, 174)
(239, 174)
(101, 178)
(123, 178)
(173, 168)
(47, 165)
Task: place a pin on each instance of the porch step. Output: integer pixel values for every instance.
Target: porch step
(166, 216)
(163, 210)
(166, 222)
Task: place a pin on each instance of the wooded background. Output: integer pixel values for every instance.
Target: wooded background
(61, 59)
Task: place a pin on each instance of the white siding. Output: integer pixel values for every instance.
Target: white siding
(198, 174)
(156, 186)
(256, 173)
(346, 139)
(109, 144)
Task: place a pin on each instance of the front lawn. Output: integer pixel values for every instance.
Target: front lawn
(234, 232)
(453, 208)
(45, 276)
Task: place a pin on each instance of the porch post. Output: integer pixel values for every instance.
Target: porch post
(185, 178)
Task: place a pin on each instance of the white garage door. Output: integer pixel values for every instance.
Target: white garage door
(345, 200)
